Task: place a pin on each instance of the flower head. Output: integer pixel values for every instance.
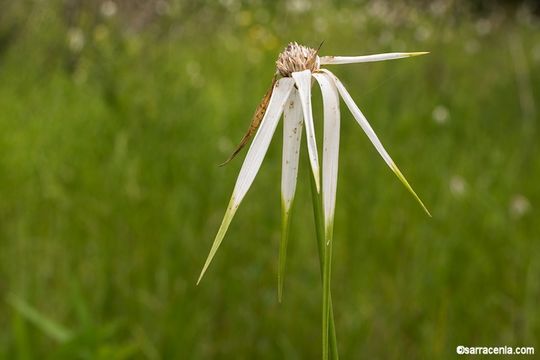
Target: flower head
(297, 58)
(290, 95)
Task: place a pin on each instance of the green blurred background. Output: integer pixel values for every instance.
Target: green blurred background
(114, 116)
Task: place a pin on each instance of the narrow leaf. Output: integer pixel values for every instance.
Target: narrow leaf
(335, 60)
(303, 82)
(330, 145)
(329, 183)
(292, 134)
(253, 160)
(362, 121)
(50, 327)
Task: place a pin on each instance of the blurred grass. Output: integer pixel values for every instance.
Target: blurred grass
(110, 195)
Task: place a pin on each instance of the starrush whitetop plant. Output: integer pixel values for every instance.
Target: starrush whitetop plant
(290, 94)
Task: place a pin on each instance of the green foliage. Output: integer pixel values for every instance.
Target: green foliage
(111, 129)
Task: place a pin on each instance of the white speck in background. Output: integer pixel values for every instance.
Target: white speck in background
(438, 8)
(519, 206)
(108, 8)
(162, 8)
(298, 6)
(440, 114)
(193, 70)
(458, 186)
(75, 39)
(483, 27)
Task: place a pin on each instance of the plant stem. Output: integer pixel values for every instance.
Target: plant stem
(319, 229)
(285, 225)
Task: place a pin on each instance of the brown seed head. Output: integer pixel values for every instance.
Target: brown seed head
(297, 58)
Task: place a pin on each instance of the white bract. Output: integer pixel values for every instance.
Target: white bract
(297, 66)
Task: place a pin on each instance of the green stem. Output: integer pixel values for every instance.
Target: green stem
(324, 261)
(285, 225)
